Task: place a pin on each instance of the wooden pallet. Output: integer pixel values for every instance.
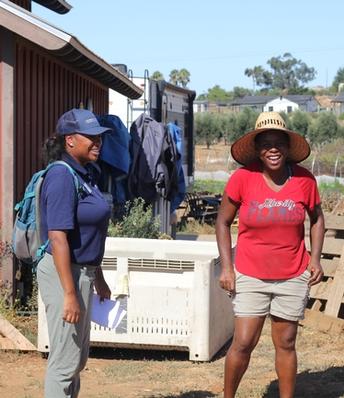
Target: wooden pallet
(12, 339)
(326, 305)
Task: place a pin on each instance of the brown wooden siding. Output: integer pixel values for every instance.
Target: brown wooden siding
(45, 88)
(1, 118)
(23, 3)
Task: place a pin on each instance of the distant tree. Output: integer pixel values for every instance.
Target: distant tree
(206, 128)
(218, 94)
(245, 122)
(324, 128)
(260, 77)
(174, 76)
(157, 75)
(287, 73)
(339, 78)
(180, 77)
(287, 120)
(231, 127)
(202, 97)
(221, 125)
(184, 77)
(239, 92)
(300, 122)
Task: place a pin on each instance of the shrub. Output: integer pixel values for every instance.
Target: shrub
(6, 308)
(138, 222)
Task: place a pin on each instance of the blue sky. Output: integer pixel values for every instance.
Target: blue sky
(215, 40)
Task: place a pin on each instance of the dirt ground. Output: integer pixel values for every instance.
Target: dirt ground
(217, 157)
(120, 373)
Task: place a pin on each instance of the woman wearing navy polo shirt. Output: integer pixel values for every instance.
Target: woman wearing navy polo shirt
(76, 225)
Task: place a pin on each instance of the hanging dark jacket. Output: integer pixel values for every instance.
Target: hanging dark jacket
(153, 171)
(114, 157)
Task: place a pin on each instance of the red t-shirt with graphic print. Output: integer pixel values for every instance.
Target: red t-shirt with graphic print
(271, 224)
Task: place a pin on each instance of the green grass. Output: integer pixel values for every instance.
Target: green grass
(211, 186)
(335, 186)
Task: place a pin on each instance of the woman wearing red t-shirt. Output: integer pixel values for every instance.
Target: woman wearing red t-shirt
(272, 271)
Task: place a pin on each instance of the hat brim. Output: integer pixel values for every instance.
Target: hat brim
(94, 130)
(244, 152)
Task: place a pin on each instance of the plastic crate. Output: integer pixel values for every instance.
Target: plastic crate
(174, 300)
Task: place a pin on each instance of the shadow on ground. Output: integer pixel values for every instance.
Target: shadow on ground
(137, 354)
(189, 394)
(323, 384)
(149, 355)
(181, 236)
(222, 352)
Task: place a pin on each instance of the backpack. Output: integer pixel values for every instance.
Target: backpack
(27, 244)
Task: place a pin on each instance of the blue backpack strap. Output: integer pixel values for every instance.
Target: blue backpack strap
(77, 182)
(80, 188)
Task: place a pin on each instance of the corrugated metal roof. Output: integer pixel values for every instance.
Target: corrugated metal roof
(339, 98)
(253, 99)
(264, 99)
(59, 6)
(65, 46)
(299, 98)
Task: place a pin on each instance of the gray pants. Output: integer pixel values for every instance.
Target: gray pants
(69, 343)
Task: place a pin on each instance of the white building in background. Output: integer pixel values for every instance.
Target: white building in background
(129, 110)
(281, 104)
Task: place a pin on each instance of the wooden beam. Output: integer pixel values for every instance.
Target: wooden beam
(316, 305)
(329, 265)
(325, 323)
(18, 341)
(332, 221)
(335, 296)
(332, 246)
(321, 291)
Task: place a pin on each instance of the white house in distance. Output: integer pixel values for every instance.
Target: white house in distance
(281, 104)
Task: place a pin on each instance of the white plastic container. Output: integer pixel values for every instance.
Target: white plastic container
(174, 300)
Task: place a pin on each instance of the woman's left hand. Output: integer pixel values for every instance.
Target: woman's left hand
(101, 286)
(317, 273)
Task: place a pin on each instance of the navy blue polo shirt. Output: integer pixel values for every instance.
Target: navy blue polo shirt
(85, 218)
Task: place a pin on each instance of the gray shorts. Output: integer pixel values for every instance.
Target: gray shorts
(286, 299)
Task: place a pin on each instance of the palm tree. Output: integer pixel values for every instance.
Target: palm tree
(174, 77)
(184, 77)
(256, 74)
(157, 75)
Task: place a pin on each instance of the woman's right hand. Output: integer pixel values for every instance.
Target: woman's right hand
(227, 280)
(71, 308)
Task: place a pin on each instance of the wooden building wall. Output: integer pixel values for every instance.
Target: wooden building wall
(35, 89)
(44, 89)
(23, 3)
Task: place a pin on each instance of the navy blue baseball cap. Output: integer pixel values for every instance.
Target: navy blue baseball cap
(80, 121)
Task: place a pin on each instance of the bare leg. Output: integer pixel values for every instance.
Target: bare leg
(284, 337)
(247, 331)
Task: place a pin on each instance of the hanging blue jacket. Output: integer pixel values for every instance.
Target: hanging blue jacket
(115, 147)
(176, 134)
(114, 156)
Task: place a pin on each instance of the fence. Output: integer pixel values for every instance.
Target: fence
(219, 158)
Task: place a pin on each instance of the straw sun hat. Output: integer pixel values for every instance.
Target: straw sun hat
(243, 149)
